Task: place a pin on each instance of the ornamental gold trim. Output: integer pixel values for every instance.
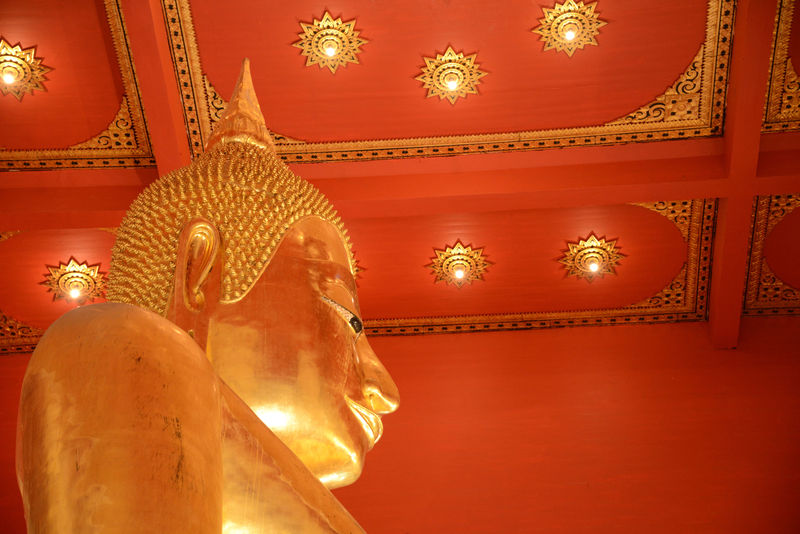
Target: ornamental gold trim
(680, 102)
(790, 100)
(119, 134)
(712, 81)
(569, 26)
(451, 75)
(76, 282)
(102, 150)
(765, 293)
(590, 258)
(329, 42)
(16, 336)
(695, 271)
(782, 111)
(458, 265)
(21, 72)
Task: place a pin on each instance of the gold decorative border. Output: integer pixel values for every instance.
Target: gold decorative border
(685, 298)
(777, 117)
(709, 71)
(125, 143)
(17, 337)
(766, 293)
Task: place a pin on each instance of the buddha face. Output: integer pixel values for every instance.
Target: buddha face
(293, 348)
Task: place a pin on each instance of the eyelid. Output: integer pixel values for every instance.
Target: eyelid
(343, 312)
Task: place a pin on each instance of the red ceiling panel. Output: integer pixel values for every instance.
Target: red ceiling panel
(636, 61)
(524, 246)
(591, 430)
(24, 258)
(84, 89)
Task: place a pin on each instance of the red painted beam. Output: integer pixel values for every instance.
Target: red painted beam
(69, 198)
(749, 73)
(528, 188)
(501, 161)
(159, 89)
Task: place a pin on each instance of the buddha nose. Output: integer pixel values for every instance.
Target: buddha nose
(379, 389)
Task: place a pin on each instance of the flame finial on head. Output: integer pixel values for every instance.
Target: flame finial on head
(242, 119)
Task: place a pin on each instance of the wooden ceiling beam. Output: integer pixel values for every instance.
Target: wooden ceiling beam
(750, 58)
(157, 84)
(565, 185)
(69, 198)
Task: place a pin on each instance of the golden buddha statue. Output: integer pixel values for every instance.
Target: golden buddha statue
(228, 383)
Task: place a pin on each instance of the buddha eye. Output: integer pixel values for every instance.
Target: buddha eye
(347, 315)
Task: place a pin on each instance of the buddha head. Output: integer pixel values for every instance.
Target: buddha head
(254, 263)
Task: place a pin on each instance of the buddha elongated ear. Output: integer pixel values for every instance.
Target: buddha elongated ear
(194, 287)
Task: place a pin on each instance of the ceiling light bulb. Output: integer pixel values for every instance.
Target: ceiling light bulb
(593, 267)
(74, 293)
(459, 273)
(452, 84)
(569, 35)
(330, 47)
(8, 78)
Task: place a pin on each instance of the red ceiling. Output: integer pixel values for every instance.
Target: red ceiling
(379, 99)
(84, 89)
(626, 429)
(524, 247)
(25, 258)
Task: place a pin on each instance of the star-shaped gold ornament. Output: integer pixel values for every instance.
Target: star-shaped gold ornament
(569, 26)
(451, 75)
(21, 71)
(330, 42)
(73, 281)
(459, 264)
(591, 257)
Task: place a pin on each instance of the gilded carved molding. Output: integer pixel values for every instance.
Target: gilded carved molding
(125, 143)
(765, 293)
(16, 336)
(697, 99)
(695, 272)
(680, 102)
(685, 298)
(120, 133)
(782, 111)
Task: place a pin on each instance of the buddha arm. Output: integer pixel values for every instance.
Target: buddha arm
(119, 428)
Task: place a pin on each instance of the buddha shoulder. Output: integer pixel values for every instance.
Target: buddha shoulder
(117, 332)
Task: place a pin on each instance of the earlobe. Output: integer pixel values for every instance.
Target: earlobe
(200, 240)
(194, 288)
